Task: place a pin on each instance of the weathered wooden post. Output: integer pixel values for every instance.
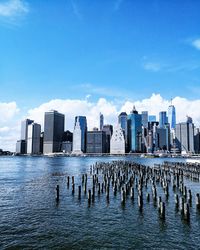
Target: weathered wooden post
(73, 188)
(89, 196)
(186, 212)
(79, 192)
(198, 201)
(123, 196)
(190, 197)
(67, 181)
(57, 193)
(176, 200)
(162, 210)
(72, 180)
(132, 193)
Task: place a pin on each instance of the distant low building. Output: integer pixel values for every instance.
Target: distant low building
(67, 147)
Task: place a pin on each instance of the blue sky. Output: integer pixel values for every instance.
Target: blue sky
(118, 49)
(82, 57)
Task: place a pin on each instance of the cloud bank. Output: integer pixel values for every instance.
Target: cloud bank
(13, 8)
(11, 118)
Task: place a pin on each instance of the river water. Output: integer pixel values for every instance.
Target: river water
(30, 218)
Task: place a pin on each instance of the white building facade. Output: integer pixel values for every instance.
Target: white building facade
(117, 142)
(77, 139)
(33, 140)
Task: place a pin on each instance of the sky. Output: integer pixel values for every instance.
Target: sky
(85, 57)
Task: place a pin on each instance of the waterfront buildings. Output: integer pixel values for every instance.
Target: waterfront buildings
(77, 138)
(108, 129)
(53, 131)
(185, 137)
(135, 131)
(96, 142)
(82, 121)
(152, 118)
(117, 143)
(24, 134)
(123, 122)
(33, 140)
(101, 121)
(172, 116)
(163, 120)
(144, 119)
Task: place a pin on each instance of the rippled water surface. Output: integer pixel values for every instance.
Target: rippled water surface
(30, 218)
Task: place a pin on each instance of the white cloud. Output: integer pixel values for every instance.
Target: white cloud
(72, 108)
(155, 67)
(9, 126)
(196, 43)
(10, 122)
(13, 8)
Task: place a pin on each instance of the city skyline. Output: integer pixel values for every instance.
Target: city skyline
(86, 57)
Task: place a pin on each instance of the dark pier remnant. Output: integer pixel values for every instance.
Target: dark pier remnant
(57, 193)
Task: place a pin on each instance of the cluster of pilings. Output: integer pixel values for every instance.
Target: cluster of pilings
(130, 179)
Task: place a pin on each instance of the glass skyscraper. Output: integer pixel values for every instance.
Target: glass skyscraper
(134, 131)
(163, 119)
(53, 131)
(172, 116)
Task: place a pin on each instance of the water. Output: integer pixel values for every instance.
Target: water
(30, 218)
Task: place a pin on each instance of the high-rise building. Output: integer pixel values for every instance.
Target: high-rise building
(122, 120)
(163, 119)
(152, 118)
(161, 138)
(185, 137)
(83, 126)
(33, 141)
(53, 131)
(24, 133)
(135, 131)
(96, 142)
(108, 129)
(101, 121)
(196, 140)
(172, 116)
(117, 142)
(145, 119)
(77, 134)
(20, 147)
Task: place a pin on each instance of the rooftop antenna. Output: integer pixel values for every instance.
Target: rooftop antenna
(171, 101)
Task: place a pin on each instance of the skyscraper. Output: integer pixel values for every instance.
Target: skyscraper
(145, 119)
(185, 137)
(122, 120)
(163, 119)
(134, 131)
(53, 131)
(117, 142)
(77, 134)
(101, 121)
(172, 116)
(96, 142)
(83, 126)
(24, 133)
(108, 129)
(152, 118)
(33, 141)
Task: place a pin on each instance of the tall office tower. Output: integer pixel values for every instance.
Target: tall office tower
(185, 137)
(117, 142)
(77, 138)
(196, 140)
(163, 119)
(53, 131)
(172, 116)
(161, 139)
(108, 129)
(122, 120)
(101, 121)
(24, 133)
(152, 118)
(33, 141)
(145, 119)
(96, 142)
(83, 126)
(135, 131)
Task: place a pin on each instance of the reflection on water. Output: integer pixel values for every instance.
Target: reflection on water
(30, 217)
